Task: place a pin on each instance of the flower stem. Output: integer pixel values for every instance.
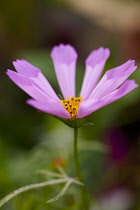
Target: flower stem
(77, 164)
(84, 196)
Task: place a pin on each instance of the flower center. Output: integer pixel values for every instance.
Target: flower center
(72, 105)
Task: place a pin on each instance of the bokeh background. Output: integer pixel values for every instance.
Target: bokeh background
(30, 140)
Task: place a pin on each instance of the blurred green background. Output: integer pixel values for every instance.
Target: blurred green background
(30, 140)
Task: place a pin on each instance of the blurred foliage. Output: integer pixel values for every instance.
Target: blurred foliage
(24, 167)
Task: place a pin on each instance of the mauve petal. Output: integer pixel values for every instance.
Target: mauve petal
(94, 67)
(51, 106)
(91, 105)
(27, 85)
(64, 59)
(26, 69)
(112, 79)
(44, 85)
(64, 54)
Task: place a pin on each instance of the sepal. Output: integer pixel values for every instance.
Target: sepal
(75, 122)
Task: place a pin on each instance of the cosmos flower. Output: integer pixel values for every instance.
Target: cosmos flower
(95, 92)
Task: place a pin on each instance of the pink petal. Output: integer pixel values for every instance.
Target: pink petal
(26, 69)
(91, 105)
(64, 59)
(94, 67)
(52, 107)
(113, 79)
(27, 85)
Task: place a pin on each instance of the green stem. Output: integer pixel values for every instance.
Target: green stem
(84, 197)
(77, 164)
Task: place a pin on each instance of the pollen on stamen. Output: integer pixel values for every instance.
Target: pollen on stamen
(71, 104)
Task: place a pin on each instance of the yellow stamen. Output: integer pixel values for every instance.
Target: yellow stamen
(72, 105)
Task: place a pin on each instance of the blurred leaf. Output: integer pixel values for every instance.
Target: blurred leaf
(63, 191)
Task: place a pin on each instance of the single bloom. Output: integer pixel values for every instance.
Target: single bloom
(95, 92)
